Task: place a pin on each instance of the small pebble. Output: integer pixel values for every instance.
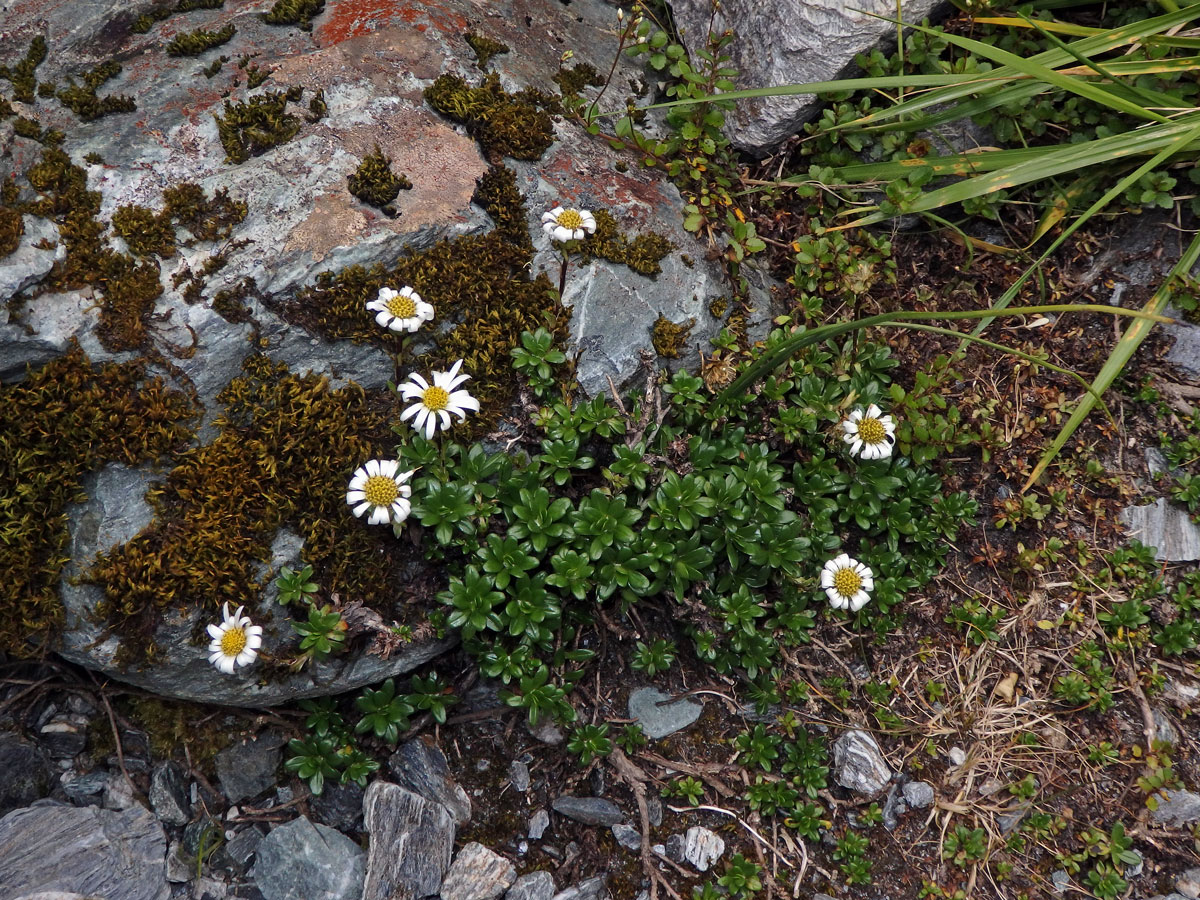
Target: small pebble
(958, 756)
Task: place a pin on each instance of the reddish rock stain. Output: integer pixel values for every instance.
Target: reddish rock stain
(353, 18)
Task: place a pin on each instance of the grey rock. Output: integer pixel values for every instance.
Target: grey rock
(1188, 883)
(28, 264)
(673, 848)
(411, 842)
(788, 42)
(179, 869)
(702, 848)
(203, 834)
(81, 788)
(96, 852)
(858, 764)
(654, 810)
(658, 717)
(420, 766)
(119, 792)
(207, 887)
(246, 770)
(303, 861)
(477, 873)
(338, 806)
(918, 794)
(628, 837)
(1133, 871)
(27, 772)
(1164, 728)
(1177, 807)
(957, 756)
(894, 807)
(538, 823)
(547, 732)
(64, 736)
(1011, 817)
(518, 776)
(591, 889)
(1059, 880)
(537, 885)
(241, 848)
(1166, 527)
(589, 810)
(168, 794)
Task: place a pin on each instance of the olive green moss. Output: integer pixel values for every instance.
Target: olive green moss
(206, 218)
(213, 68)
(145, 232)
(480, 283)
(256, 76)
(718, 307)
(643, 254)
(230, 304)
(284, 452)
(28, 128)
(574, 80)
(255, 126)
(317, 107)
(55, 427)
(668, 337)
(6, 109)
(143, 23)
(485, 48)
(194, 43)
(83, 100)
(375, 184)
(93, 159)
(23, 74)
(516, 125)
(46, 89)
(294, 12)
(12, 226)
(171, 726)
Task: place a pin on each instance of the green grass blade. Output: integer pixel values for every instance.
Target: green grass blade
(1122, 353)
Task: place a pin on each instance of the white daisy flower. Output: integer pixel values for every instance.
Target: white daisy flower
(436, 402)
(380, 488)
(402, 310)
(568, 224)
(235, 641)
(847, 583)
(870, 434)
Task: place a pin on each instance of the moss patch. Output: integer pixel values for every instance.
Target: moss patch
(479, 282)
(574, 80)
(28, 128)
(143, 23)
(668, 337)
(23, 74)
(12, 226)
(516, 125)
(485, 48)
(255, 126)
(83, 100)
(145, 232)
(284, 454)
(375, 184)
(54, 428)
(643, 254)
(294, 12)
(194, 43)
(186, 206)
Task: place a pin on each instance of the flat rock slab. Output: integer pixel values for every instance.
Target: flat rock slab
(246, 770)
(411, 842)
(420, 766)
(537, 885)
(589, 810)
(658, 716)
(1177, 808)
(95, 852)
(858, 764)
(478, 873)
(303, 861)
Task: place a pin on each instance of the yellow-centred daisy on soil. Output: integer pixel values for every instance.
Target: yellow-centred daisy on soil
(235, 641)
(568, 224)
(435, 402)
(869, 433)
(401, 310)
(379, 487)
(847, 583)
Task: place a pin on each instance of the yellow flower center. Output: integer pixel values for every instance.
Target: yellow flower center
(847, 582)
(402, 307)
(381, 490)
(570, 218)
(233, 641)
(872, 431)
(435, 398)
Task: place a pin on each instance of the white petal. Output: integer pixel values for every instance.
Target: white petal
(430, 426)
(874, 412)
(372, 467)
(254, 636)
(856, 416)
(400, 510)
(561, 233)
(379, 515)
(225, 664)
(359, 481)
(826, 577)
(419, 381)
(856, 447)
(386, 294)
(215, 632)
(421, 418)
(246, 657)
(444, 417)
(412, 410)
(361, 508)
(388, 467)
(851, 428)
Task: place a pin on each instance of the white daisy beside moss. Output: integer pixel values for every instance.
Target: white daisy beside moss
(382, 490)
(568, 224)
(847, 583)
(436, 402)
(401, 310)
(235, 641)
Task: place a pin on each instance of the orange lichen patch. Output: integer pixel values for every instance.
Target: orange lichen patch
(354, 18)
(375, 57)
(334, 222)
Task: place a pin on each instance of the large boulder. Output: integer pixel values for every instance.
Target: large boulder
(246, 280)
(789, 42)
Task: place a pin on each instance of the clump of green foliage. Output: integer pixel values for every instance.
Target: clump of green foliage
(83, 100)
(12, 226)
(485, 48)
(668, 338)
(28, 128)
(643, 254)
(55, 427)
(145, 233)
(194, 43)
(375, 184)
(516, 125)
(22, 75)
(253, 127)
(185, 205)
(294, 12)
(143, 23)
